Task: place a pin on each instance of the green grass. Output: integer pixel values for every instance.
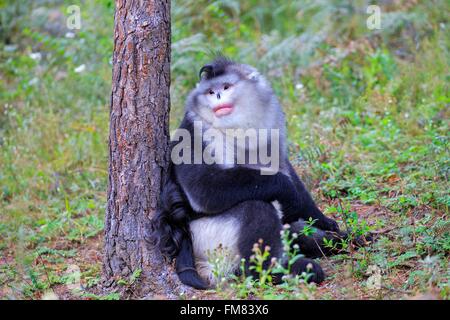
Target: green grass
(368, 125)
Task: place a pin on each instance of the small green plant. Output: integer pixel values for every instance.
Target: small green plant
(221, 262)
(355, 226)
(292, 286)
(131, 280)
(109, 296)
(258, 263)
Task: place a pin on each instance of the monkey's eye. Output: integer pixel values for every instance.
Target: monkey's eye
(211, 92)
(226, 86)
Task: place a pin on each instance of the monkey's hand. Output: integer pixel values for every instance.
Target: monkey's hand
(327, 224)
(308, 210)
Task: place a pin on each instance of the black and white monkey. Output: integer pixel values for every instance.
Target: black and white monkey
(231, 205)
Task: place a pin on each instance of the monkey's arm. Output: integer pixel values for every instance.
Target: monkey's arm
(212, 190)
(308, 209)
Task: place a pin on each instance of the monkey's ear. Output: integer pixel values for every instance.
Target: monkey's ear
(208, 69)
(250, 73)
(253, 76)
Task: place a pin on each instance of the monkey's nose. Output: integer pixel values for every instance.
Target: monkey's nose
(218, 96)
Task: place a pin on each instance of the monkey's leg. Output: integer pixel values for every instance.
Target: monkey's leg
(261, 222)
(185, 266)
(314, 246)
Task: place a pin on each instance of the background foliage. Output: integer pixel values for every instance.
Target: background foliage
(368, 118)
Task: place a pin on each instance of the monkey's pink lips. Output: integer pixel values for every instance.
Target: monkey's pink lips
(223, 110)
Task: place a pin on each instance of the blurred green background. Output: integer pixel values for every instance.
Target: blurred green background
(368, 119)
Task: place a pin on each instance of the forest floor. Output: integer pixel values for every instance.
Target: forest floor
(368, 127)
(341, 282)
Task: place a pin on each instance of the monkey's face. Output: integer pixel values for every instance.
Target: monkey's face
(228, 101)
(218, 96)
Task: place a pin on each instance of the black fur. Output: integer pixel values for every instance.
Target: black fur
(313, 246)
(219, 189)
(170, 230)
(216, 68)
(185, 266)
(170, 224)
(227, 191)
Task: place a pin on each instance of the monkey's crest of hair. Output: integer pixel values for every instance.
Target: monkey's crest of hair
(216, 68)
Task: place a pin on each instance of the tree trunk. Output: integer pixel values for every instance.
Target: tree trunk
(138, 145)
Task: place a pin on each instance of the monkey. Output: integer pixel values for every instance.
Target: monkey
(229, 205)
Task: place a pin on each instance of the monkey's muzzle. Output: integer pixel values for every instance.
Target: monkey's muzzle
(223, 110)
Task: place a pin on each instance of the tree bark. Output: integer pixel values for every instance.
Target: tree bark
(138, 144)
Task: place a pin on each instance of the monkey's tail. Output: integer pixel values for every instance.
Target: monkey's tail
(171, 222)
